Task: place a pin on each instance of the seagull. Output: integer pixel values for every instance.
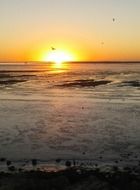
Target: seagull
(53, 48)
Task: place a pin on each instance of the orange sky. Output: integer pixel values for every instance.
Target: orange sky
(83, 28)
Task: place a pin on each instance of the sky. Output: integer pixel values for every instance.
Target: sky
(84, 28)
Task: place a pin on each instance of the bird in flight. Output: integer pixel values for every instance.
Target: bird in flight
(113, 19)
(53, 48)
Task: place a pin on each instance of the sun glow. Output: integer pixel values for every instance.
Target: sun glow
(57, 57)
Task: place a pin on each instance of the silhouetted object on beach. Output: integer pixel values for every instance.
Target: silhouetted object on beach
(11, 168)
(34, 162)
(2, 159)
(20, 169)
(8, 162)
(74, 163)
(68, 163)
(82, 164)
(115, 168)
(128, 169)
(58, 160)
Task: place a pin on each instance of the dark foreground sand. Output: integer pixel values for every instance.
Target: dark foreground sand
(71, 179)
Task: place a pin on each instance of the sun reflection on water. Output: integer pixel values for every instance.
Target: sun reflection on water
(59, 67)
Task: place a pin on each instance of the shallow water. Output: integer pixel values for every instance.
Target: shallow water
(81, 111)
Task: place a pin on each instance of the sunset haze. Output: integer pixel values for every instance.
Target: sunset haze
(90, 30)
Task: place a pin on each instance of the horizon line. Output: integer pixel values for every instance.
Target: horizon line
(106, 61)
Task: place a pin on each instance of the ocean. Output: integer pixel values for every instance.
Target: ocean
(89, 112)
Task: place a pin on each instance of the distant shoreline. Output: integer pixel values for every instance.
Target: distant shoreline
(74, 62)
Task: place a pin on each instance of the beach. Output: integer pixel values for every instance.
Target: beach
(85, 113)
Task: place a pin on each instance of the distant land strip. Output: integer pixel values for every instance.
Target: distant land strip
(90, 62)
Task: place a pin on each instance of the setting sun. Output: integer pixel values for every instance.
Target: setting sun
(57, 56)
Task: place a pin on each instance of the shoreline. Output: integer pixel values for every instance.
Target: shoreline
(72, 178)
(58, 164)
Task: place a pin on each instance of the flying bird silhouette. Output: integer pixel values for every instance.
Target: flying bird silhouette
(53, 48)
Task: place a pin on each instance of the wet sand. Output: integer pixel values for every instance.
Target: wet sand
(90, 115)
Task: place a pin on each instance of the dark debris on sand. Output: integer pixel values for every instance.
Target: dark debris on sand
(70, 179)
(131, 83)
(85, 83)
(11, 81)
